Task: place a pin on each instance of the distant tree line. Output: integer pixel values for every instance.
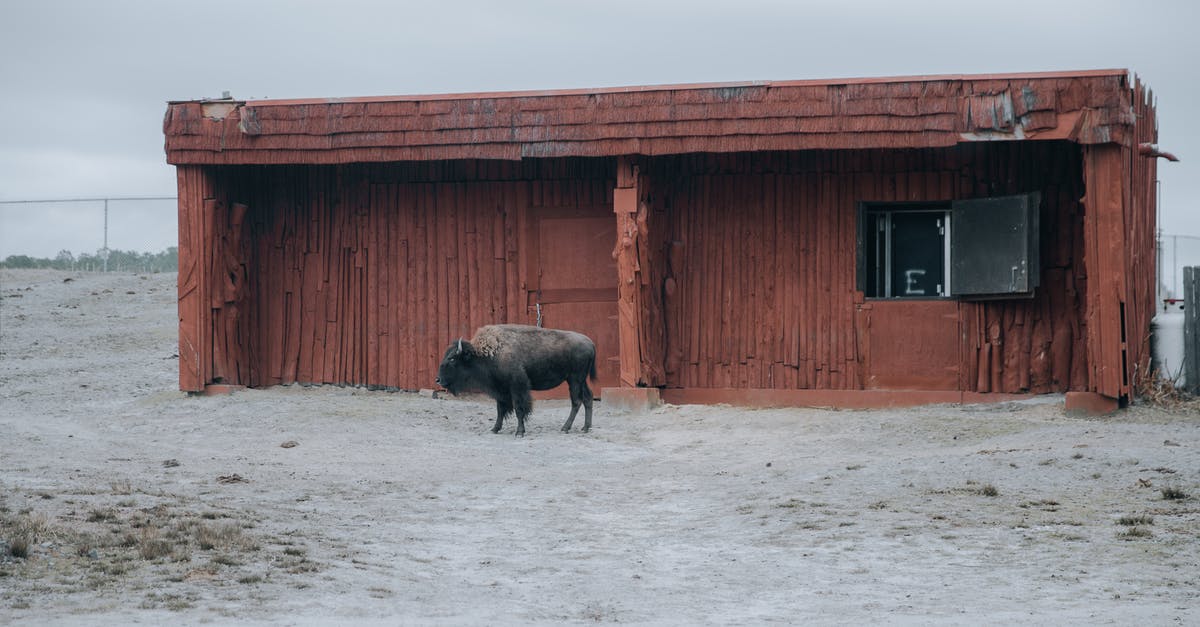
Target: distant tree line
(118, 261)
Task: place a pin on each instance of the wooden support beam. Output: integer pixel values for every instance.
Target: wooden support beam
(1105, 250)
(625, 206)
(195, 333)
(641, 267)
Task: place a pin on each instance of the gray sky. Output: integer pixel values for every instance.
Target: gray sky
(85, 83)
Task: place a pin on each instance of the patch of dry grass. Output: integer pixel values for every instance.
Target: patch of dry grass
(23, 531)
(1173, 493)
(1151, 388)
(1134, 533)
(151, 545)
(19, 547)
(1133, 521)
(136, 549)
(986, 489)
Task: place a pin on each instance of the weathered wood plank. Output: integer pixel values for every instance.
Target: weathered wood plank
(625, 207)
(763, 293)
(1105, 223)
(190, 283)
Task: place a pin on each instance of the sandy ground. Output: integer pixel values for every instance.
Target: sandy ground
(131, 502)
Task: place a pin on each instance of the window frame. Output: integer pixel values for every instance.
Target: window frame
(1014, 242)
(867, 211)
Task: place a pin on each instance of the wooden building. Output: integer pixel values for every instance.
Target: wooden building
(835, 242)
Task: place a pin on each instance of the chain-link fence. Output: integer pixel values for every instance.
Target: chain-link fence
(119, 233)
(1175, 252)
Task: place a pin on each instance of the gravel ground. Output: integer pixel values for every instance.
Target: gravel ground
(125, 501)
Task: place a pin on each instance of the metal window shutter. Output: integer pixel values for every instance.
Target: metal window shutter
(994, 246)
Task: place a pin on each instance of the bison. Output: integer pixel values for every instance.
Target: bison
(506, 361)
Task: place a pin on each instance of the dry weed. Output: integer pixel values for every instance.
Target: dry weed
(1173, 493)
(1134, 533)
(1151, 388)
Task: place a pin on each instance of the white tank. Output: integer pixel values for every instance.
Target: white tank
(1166, 342)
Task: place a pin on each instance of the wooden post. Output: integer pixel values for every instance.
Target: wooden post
(625, 206)
(1191, 329)
(1105, 250)
(195, 316)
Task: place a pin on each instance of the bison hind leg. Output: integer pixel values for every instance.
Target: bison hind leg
(581, 394)
(503, 408)
(587, 407)
(523, 404)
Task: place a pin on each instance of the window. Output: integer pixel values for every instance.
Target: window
(906, 252)
(981, 248)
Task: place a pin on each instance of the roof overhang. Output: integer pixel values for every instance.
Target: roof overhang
(1087, 107)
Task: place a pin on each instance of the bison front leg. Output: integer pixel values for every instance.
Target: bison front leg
(503, 407)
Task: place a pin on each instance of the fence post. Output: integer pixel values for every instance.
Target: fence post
(1191, 329)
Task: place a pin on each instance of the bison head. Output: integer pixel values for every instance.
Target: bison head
(458, 371)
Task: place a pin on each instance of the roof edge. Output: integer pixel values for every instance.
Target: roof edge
(267, 102)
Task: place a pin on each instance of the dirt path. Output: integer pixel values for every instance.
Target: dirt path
(136, 503)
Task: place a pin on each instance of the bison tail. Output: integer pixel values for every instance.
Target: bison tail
(592, 372)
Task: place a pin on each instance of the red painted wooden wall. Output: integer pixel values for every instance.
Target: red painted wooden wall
(766, 297)
(739, 265)
(363, 275)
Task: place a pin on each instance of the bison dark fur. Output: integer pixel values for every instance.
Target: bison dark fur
(506, 361)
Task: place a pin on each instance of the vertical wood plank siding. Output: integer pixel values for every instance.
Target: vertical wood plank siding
(348, 241)
(1141, 215)
(363, 274)
(194, 318)
(765, 295)
(1120, 253)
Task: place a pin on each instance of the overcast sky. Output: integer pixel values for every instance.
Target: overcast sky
(85, 83)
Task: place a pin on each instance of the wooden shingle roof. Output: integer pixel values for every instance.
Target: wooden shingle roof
(907, 112)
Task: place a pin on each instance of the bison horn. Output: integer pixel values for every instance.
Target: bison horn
(460, 345)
